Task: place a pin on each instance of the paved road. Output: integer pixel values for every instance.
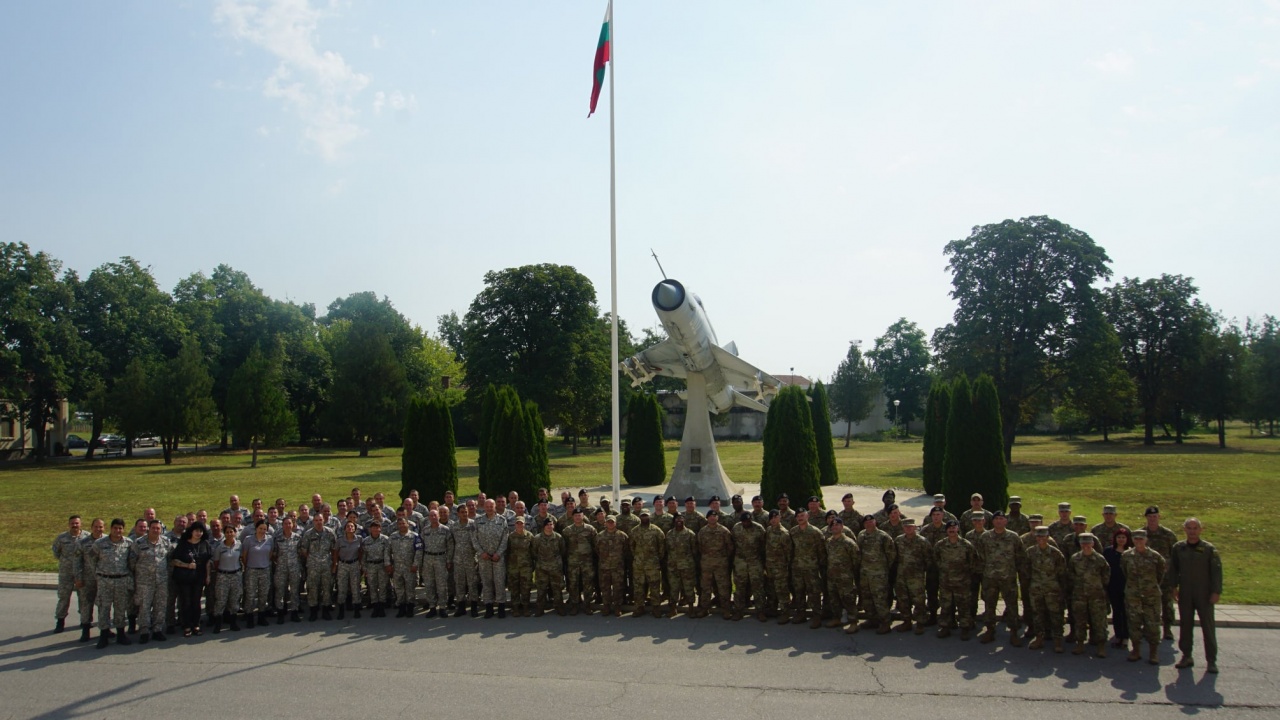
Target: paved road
(638, 667)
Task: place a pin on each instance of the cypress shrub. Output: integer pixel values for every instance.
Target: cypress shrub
(820, 410)
(958, 466)
(487, 407)
(990, 470)
(539, 475)
(791, 453)
(414, 458)
(644, 462)
(935, 435)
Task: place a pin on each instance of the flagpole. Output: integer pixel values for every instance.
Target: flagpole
(613, 271)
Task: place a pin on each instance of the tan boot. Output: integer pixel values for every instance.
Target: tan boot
(988, 635)
(851, 628)
(1079, 649)
(1155, 653)
(884, 628)
(918, 629)
(833, 622)
(1102, 650)
(1057, 645)
(1037, 643)
(816, 622)
(1134, 655)
(904, 626)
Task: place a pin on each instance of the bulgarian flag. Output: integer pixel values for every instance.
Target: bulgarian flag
(602, 56)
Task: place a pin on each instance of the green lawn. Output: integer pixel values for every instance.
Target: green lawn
(1230, 490)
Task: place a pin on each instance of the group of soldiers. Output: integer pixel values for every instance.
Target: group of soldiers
(808, 564)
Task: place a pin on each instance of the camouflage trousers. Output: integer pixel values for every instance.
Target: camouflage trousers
(778, 589)
(612, 584)
(1144, 616)
(807, 589)
(646, 582)
(288, 585)
(466, 579)
(931, 591)
(348, 583)
(228, 589)
(151, 599)
(1091, 613)
(683, 585)
(519, 582)
(493, 581)
(1046, 610)
(581, 581)
(549, 582)
(257, 588)
(994, 588)
(873, 588)
(715, 577)
(750, 586)
(911, 595)
(1028, 608)
(842, 592)
(404, 581)
(114, 601)
(954, 603)
(376, 578)
(435, 580)
(319, 584)
(66, 587)
(88, 597)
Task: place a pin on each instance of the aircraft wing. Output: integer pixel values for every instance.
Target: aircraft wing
(742, 374)
(661, 359)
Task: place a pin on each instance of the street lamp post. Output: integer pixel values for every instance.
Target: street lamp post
(896, 403)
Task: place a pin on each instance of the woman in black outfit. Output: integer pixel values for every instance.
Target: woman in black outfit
(1120, 541)
(190, 560)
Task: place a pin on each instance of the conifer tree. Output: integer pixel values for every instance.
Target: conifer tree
(935, 435)
(820, 410)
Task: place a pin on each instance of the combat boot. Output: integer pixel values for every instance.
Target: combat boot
(462, 610)
(502, 610)
(249, 621)
(144, 638)
(342, 611)
(280, 616)
(59, 625)
(123, 639)
(475, 609)
(1155, 653)
(931, 620)
(324, 613)
(295, 616)
(542, 609)
(816, 622)
(232, 623)
(944, 632)
(1134, 655)
(488, 611)
(919, 629)
(884, 628)
(1184, 662)
(314, 614)
(833, 622)
(904, 626)
(1102, 650)
(641, 611)
(102, 640)
(84, 633)
(1057, 645)
(158, 637)
(1037, 643)
(964, 633)
(988, 635)
(1079, 648)
(430, 614)
(133, 623)
(1168, 631)
(262, 619)
(1015, 640)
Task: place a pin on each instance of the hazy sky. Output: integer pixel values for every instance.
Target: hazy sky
(800, 165)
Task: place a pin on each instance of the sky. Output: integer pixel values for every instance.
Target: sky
(800, 166)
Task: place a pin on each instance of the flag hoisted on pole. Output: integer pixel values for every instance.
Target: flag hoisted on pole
(604, 56)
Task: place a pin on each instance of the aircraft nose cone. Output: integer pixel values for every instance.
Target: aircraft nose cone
(668, 295)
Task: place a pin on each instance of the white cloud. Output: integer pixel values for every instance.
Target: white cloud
(377, 42)
(396, 100)
(317, 85)
(1116, 62)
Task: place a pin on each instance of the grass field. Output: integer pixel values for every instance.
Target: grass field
(1233, 491)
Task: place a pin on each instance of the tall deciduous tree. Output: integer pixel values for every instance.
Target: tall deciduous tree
(1098, 385)
(937, 412)
(585, 400)
(821, 413)
(182, 400)
(901, 358)
(369, 388)
(257, 408)
(790, 462)
(1219, 376)
(854, 390)
(1263, 384)
(1019, 286)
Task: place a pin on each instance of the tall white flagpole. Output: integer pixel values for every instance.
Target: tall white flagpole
(613, 271)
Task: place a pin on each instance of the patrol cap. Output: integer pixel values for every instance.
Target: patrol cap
(644, 513)
(547, 521)
(868, 518)
(1042, 531)
(1086, 538)
(690, 499)
(1034, 517)
(847, 496)
(1139, 534)
(1079, 519)
(1015, 500)
(611, 518)
(1064, 507)
(908, 522)
(520, 519)
(1108, 509)
(939, 498)
(714, 498)
(976, 496)
(745, 517)
(605, 500)
(1152, 510)
(626, 503)
(997, 514)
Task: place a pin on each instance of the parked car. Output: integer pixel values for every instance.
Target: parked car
(108, 440)
(75, 442)
(146, 441)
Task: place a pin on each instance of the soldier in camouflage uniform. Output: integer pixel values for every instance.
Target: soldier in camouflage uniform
(890, 501)
(256, 560)
(86, 572)
(682, 566)
(974, 536)
(375, 556)
(115, 583)
(748, 566)
(778, 553)
(809, 559)
(1144, 572)
(915, 555)
(957, 561)
(437, 558)
(1105, 530)
(1047, 568)
(666, 520)
(519, 567)
(759, 515)
(580, 551)
(548, 556)
(288, 571)
(227, 559)
(934, 532)
(975, 508)
(348, 544)
(612, 547)
(1028, 539)
(1090, 574)
(491, 541)
(318, 549)
(940, 502)
(849, 515)
(878, 554)
(64, 550)
(406, 558)
(1161, 539)
(149, 562)
(843, 560)
(1018, 523)
(1002, 558)
(1070, 545)
(715, 553)
(785, 512)
(466, 576)
(648, 549)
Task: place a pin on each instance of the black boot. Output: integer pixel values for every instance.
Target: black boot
(144, 638)
(342, 612)
(502, 610)
(84, 633)
(475, 609)
(295, 616)
(102, 640)
(232, 622)
(59, 625)
(314, 614)
(158, 636)
(431, 613)
(280, 616)
(248, 620)
(462, 610)
(324, 613)
(356, 612)
(377, 610)
(488, 611)
(216, 622)
(123, 639)
(262, 618)
(133, 624)
(399, 610)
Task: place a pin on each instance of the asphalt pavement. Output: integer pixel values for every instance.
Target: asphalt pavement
(646, 667)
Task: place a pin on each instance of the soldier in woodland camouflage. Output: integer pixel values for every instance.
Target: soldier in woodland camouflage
(843, 560)
(1144, 571)
(778, 554)
(1002, 558)
(808, 562)
(1090, 574)
(879, 556)
(1047, 569)
(957, 561)
(648, 550)
(1161, 539)
(748, 566)
(915, 556)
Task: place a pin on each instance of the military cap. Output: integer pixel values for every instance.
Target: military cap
(893, 507)
(756, 497)
(939, 498)
(1086, 538)
(735, 497)
(889, 494)
(637, 499)
(908, 522)
(831, 513)
(745, 516)
(520, 519)
(713, 513)
(1015, 500)
(976, 496)
(1042, 531)
(997, 514)
(951, 524)
(1034, 517)
(547, 521)
(1108, 509)
(611, 518)
(714, 498)
(814, 498)
(937, 510)
(644, 513)
(1079, 519)
(1152, 510)
(784, 496)
(658, 498)
(838, 521)
(576, 511)
(626, 503)
(690, 499)
(847, 496)
(1139, 534)
(773, 514)
(671, 498)
(868, 518)
(605, 500)
(582, 492)
(1064, 507)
